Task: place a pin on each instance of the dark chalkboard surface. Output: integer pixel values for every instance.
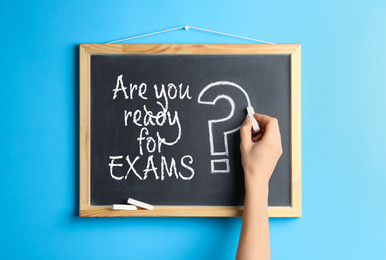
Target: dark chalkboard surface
(164, 127)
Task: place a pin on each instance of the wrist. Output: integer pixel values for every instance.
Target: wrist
(256, 183)
(257, 191)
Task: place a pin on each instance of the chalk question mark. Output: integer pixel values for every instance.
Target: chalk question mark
(206, 97)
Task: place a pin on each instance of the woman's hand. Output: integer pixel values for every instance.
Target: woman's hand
(261, 153)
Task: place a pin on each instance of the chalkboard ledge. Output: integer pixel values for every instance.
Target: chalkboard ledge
(185, 211)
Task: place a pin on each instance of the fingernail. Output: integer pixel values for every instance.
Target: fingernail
(247, 120)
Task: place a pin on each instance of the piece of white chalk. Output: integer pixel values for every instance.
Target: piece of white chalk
(124, 207)
(139, 204)
(255, 125)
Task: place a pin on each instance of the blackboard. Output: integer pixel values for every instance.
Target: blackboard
(163, 127)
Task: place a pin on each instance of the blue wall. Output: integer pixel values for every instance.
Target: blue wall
(343, 127)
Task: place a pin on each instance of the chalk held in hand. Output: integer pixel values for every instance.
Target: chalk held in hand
(124, 207)
(139, 204)
(255, 125)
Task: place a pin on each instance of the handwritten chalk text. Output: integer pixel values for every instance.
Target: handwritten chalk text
(150, 142)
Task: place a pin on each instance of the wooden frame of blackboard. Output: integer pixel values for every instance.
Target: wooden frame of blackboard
(86, 50)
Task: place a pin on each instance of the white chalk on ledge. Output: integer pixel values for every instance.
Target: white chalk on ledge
(139, 204)
(255, 125)
(124, 207)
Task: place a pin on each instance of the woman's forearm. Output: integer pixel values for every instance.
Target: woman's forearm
(254, 237)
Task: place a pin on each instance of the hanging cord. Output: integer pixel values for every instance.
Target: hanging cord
(187, 28)
(227, 34)
(135, 37)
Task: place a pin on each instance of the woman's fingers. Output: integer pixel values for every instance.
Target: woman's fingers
(245, 134)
